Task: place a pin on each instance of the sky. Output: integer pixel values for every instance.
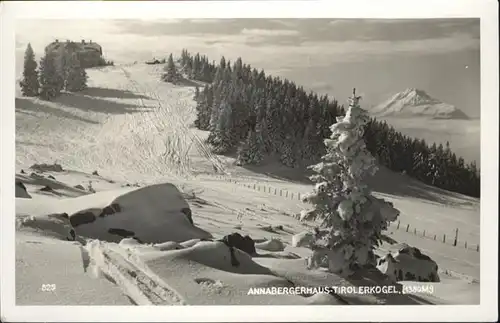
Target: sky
(379, 57)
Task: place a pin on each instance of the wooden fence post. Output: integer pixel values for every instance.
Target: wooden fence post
(298, 195)
(399, 222)
(423, 234)
(275, 191)
(281, 192)
(292, 196)
(286, 193)
(444, 238)
(415, 231)
(407, 228)
(477, 248)
(434, 237)
(456, 238)
(253, 185)
(465, 244)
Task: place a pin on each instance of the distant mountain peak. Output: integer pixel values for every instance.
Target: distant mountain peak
(416, 102)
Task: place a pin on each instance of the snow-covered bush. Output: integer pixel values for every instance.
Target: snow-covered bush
(343, 202)
(407, 263)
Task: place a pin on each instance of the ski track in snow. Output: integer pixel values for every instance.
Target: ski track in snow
(154, 142)
(140, 285)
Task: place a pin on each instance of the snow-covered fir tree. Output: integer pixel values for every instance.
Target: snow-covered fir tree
(353, 218)
(29, 84)
(288, 153)
(76, 77)
(204, 108)
(221, 126)
(252, 151)
(171, 74)
(51, 80)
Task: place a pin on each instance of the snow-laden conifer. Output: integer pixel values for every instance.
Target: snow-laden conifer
(29, 84)
(76, 77)
(51, 80)
(352, 218)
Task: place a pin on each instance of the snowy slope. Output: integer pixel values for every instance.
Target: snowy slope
(136, 131)
(415, 102)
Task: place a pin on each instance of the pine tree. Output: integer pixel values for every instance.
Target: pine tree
(221, 125)
(288, 156)
(29, 83)
(204, 108)
(351, 216)
(251, 152)
(76, 77)
(51, 81)
(171, 74)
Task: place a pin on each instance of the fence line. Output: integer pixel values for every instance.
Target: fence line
(422, 233)
(444, 239)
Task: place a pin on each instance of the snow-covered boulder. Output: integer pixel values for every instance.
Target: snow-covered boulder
(407, 263)
(236, 240)
(21, 191)
(154, 214)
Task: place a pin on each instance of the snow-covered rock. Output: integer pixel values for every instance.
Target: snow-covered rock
(407, 263)
(154, 214)
(415, 102)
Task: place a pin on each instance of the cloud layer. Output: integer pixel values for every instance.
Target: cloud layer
(380, 55)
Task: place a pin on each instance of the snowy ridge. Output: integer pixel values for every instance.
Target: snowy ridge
(415, 102)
